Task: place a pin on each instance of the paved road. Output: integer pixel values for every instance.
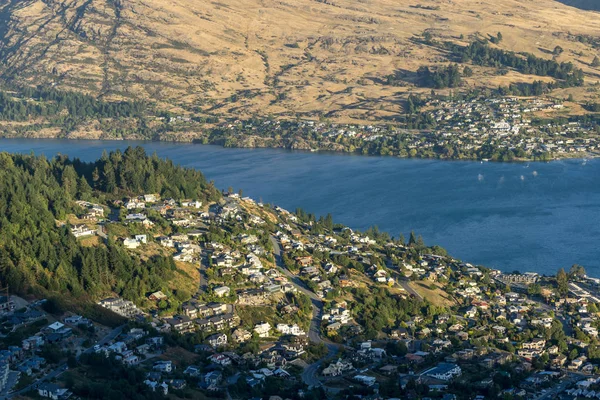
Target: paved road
(572, 378)
(63, 367)
(406, 286)
(203, 283)
(309, 376)
(314, 333)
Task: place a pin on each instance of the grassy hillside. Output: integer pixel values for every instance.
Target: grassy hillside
(309, 58)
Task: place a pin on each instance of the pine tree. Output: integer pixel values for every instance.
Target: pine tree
(562, 282)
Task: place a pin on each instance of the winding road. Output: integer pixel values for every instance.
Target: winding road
(310, 374)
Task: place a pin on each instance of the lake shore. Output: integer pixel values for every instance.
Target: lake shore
(331, 148)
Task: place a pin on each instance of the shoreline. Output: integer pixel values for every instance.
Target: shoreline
(575, 156)
(55, 146)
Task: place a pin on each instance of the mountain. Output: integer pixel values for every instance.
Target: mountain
(325, 58)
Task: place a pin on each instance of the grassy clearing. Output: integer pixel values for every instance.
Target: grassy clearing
(432, 292)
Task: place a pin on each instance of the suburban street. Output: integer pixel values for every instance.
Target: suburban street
(572, 378)
(309, 376)
(63, 367)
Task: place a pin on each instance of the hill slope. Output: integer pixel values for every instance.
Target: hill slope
(261, 57)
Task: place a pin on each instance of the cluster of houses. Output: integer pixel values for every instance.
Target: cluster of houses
(122, 307)
(507, 121)
(467, 124)
(438, 346)
(26, 359)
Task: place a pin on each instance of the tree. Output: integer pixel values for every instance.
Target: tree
(499, 37)
(534, 289)
(562, 282)
(467, 71)
(557, 51)
(577, 271)
(596, 62)
(413, 239)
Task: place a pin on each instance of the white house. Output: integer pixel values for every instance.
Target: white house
(53, 391)
(163, 366)
(221, 291)
(263, 329)
(82, 230)
(443, 371)
(131, 243)
(216, 340)
(290, 329)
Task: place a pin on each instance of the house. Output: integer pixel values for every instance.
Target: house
(141, 238)
(163, 366)
(82, 230)
(220, 359)
(157, 296)
(365, 380)
(155, 341)
(155, 386)
(263, 329)
(290, 330)
(54, 327)
(131, 360)
(221, 291)
(304, 261)
(7, 305)
(176, 384)
(334, 326)
(338, 368)
(166, 241)
(53, 391)
(77, 320)
(133, 204)
(192, 371)
(211, 380)
(181, 323)
(151, 198)
(241, 335)
(443, 371)
(141, 218)
(217, 340)
(131, 243)
(32, 342)
(471, 312)
(535, 344)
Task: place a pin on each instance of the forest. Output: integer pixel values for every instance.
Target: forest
(40, 102)
(448, 77)
(480, 54)
(39, 255)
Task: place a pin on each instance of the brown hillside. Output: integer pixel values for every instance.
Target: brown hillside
(261, 57)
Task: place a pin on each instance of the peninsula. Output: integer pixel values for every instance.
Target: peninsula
(131, 276)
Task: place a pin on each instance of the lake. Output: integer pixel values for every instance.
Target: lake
(529, 217)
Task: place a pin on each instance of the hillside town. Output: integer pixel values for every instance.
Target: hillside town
(482, 128)
(290, 306)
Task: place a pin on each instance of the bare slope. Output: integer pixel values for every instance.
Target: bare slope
(262, 57)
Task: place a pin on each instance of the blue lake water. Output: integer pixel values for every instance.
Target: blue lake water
(531, 217)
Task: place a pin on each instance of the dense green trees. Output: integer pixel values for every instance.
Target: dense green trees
(377, 310)
(447, 77)
(37, 251)
(562, 282)
(42, 102)
(480, 54)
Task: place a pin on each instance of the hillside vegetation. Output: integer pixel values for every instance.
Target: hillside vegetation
(38, 253)
(293, 58)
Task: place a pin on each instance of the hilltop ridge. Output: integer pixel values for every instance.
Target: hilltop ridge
(283, 58)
